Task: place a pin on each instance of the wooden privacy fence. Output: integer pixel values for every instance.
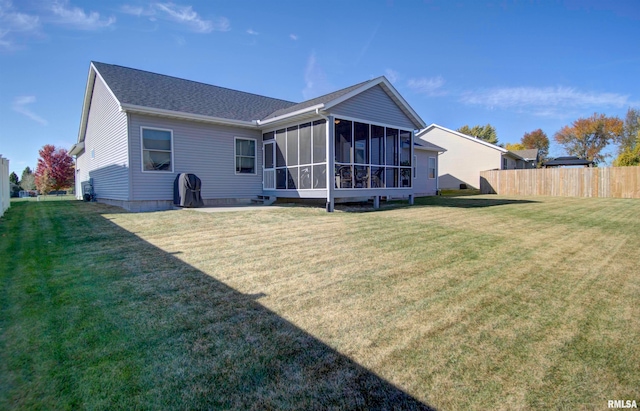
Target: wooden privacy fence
(620, 182)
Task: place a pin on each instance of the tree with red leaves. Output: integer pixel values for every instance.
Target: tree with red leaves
(55, 169)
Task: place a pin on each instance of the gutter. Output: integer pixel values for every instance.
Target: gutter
(179, 114)
(315, 108)
(132, 108)
(76, 148)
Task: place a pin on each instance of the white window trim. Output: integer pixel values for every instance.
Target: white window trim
(255, 156)
(264, 154)
(435, 168)
(142, 149)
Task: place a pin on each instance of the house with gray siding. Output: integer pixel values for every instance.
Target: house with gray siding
(530, 158)
(425, 180)
(139, 130)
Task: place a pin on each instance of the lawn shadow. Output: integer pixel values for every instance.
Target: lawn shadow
(467, 202)
(205, 345)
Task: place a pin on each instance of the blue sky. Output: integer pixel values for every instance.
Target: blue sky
(518, 65)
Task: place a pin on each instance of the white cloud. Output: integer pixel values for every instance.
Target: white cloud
(19, 21)
(543, 101)
(135, 10)
(293, 37)
(20, 105)
(430, 86)
(5, 43)
(77, 18)
(391, 75)
(252, 32)
(316, 83)
(13, 23)
(185, 15)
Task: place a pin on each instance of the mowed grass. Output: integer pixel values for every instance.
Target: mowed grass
(479, 302)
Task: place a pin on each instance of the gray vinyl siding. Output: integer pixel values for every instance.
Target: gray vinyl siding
(376, 106)
(422, 184)
(206, 150)
(106, 135)
(82, 172)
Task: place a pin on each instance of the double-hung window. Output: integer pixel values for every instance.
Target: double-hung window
(157, 149)
(245, 156)
(432, 167)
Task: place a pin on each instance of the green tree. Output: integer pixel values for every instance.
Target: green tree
(629, 157)
(629, 138)
(26, 171)
(629, 142)
(587, 137)
(28, 179)
(13, 177)
(486, 133)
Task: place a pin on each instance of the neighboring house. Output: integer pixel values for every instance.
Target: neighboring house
(570, 161)
(530, 158)
(138, 130)
(426, 169)
(465, 157)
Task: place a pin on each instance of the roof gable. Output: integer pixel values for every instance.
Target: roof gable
(458, 134)
(528, 154)
(328, 101)
(318, 101)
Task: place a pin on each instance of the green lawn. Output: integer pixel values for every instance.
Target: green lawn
(475, 302)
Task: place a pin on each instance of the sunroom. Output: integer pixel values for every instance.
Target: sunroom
(365, 160)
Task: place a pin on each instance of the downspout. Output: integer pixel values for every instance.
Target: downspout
(330, 160)
(438, 172)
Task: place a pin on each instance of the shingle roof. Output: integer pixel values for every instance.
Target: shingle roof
(426, 145)
(314, 101)
(567, 161)
(459, 134)
(146, 89)
(528, 154)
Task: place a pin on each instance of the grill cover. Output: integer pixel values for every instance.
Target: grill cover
(186, 191)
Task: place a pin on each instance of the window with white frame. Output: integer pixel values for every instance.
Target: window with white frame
(157, 149)
(245, 156)
(432, 167)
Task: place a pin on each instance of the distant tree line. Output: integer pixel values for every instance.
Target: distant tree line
(585, 138)
(26, 182)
